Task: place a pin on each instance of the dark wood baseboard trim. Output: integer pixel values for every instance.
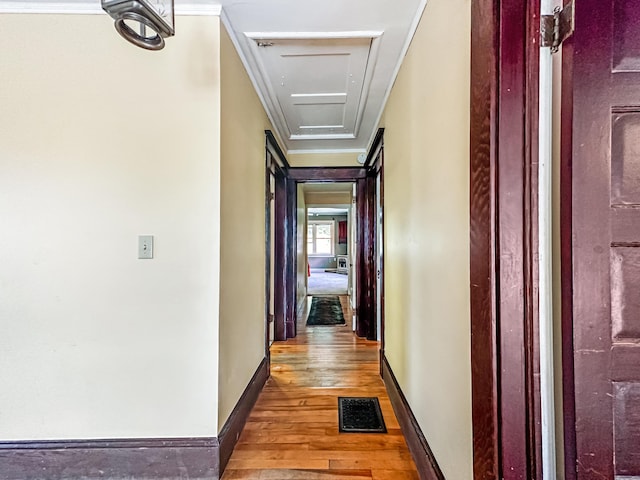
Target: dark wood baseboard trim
(235, 423)
(426, 463)
(116, 459)
(202, 458)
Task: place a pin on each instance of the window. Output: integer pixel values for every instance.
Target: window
(320, 238)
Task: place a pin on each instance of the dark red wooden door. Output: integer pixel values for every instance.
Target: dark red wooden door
(602, 73)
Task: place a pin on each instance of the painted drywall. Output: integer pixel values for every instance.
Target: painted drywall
(314, 199)
(338, 159)
(426, 208)
(242, 234)
(101, 141)
(301, 249)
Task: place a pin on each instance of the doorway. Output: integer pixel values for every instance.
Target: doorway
(361, 263)
(328, 246)
(598, 249)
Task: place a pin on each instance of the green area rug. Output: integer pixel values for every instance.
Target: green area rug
(325, 311)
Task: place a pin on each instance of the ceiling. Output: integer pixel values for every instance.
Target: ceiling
(322, 69)
(313, 211)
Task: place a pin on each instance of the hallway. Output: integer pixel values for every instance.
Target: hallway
(292, 432)
(102, 348)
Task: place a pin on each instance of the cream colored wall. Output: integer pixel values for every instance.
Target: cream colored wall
(301, 249)
(101, 141)
(242, 238)
(349, 159)
(328, 198)
(426, 202)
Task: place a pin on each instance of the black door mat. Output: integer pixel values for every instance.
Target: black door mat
(360, 415)
(325, 311)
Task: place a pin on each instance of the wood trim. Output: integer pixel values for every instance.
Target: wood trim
(157, 458)
(566, 261)
(272, 143)
(531, 234)
(503, 268)
(371, 267)
(280, 260)
(285, 221)
(366, 325)
(326, 174)
(484, 370)
(374, 168)
(268, 250)
(366, 259)
(291, 282)
(235, 423)
(377, 144)
(516, 247)
(426, 463)
(381, 266)
(361, 177)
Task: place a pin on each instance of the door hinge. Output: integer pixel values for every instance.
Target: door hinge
(556, 28)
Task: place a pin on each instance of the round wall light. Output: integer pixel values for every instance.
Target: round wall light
(145, 23)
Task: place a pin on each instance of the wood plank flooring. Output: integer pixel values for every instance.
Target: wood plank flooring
(292, 432)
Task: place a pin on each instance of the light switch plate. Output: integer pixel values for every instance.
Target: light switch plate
(145, 246)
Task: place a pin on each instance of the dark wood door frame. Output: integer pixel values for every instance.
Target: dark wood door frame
(291, 259)
(503, 239)
(368, 241)
(285, 226)
(377, 169)
(268, 318)
(284, 223)
(365, 180)
(566, 263)
(326, 174)
(365, 258)
(333, 175)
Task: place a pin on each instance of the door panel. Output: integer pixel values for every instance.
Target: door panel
(605, 248)
(627, 426)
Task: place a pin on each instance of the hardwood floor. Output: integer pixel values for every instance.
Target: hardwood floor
(292, 432)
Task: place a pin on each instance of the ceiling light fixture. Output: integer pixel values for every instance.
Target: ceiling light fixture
(145, 23)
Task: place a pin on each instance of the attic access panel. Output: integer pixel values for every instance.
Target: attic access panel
(317, 85)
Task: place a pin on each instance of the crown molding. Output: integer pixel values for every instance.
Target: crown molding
(93, 8)
(412, 31)
(50, 7)
(326, 150)
(250, 69)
